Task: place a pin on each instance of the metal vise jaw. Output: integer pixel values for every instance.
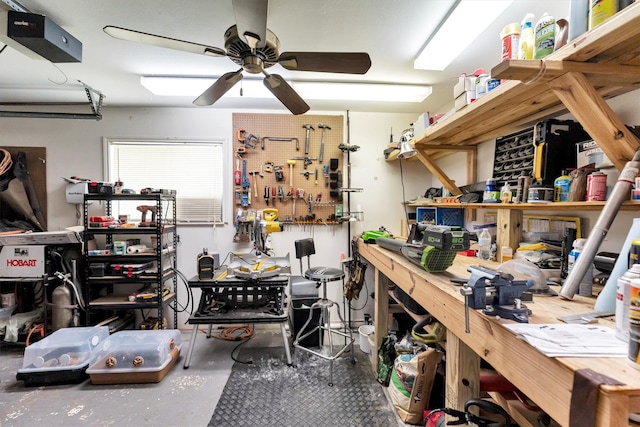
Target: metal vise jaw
(496, 294)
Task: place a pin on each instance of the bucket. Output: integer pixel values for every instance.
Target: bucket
(365, 331)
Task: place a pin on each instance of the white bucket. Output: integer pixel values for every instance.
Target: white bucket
(365, 331)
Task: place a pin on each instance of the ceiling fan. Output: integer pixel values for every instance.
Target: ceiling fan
(255, 48)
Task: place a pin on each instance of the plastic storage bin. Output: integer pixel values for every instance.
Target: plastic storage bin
(131, 357)
(62, 357)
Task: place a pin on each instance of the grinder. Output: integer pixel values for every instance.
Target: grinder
(206, 265)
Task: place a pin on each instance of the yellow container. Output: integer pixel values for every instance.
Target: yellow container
(600, 11)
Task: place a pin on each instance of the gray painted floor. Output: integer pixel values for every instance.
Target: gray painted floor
(185, 397)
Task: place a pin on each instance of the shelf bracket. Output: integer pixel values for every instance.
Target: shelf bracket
(596, 117)
(94, 98)
(472, 151)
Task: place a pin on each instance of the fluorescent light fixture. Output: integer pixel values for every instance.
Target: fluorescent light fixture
(194, 86)
(254, 88)
(464, 23)
(362, 91)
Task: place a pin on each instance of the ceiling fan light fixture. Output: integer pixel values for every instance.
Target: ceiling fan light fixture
(454, 33)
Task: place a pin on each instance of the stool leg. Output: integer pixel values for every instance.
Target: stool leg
(287, 352)
(347, 332)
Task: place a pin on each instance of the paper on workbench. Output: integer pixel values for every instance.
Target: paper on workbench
(571, 340)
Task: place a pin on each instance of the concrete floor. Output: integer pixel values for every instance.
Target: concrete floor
(185, 397)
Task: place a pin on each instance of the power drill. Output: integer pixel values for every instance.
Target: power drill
(144, 209)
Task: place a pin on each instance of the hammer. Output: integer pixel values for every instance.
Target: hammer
(255, 182)
(291, 162)
(323, 127)
(306, 142)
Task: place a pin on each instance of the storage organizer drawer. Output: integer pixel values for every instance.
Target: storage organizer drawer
(441, 216)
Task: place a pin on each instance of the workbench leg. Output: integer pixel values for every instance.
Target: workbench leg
(613, 409)
(194, 334)
(462, 373)
(381, 311)
(287, 351)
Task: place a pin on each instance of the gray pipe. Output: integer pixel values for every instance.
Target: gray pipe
(618, 195)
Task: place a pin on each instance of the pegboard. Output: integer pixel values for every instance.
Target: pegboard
(273, 140)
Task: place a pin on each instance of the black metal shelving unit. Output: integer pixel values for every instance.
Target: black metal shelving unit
(99, 290)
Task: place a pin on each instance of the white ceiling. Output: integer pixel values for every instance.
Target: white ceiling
(392, 32)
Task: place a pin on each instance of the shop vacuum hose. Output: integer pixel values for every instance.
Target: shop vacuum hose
(618, 195)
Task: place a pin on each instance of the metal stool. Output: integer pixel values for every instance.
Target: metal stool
(322, 275)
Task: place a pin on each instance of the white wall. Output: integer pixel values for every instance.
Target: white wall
(75, 148)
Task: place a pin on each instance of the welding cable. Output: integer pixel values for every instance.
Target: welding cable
(190, 299)
(38, 327)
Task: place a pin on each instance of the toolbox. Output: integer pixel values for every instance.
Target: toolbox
(133, 357)
(130, 270)
(62, 357)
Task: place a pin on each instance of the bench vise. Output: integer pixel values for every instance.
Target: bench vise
(497, 294)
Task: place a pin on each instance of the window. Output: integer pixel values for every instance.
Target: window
(193, 168)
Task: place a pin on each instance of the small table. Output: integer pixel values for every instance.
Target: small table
(233, 300)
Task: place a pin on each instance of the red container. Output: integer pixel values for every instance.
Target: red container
(597, 187)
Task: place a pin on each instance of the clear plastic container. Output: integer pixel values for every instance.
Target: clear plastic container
(135, 357)
(62, 357)
(484, 245)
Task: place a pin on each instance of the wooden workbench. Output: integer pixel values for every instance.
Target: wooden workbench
(545, 380)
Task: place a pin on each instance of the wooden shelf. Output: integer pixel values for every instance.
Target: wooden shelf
(630, 205)
(516, 104)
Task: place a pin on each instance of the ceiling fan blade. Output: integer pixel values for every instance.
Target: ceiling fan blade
(161, 41)
(326, 62)
(285, 93)
(219, 88)
(251, 20)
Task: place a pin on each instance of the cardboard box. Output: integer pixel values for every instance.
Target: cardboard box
(588, 152)
(465, 99)
(465, 84)
(421, 123)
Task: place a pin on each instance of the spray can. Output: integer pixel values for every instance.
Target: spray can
(623, 289)
(545, 36)
(600, 11)
(522, 188)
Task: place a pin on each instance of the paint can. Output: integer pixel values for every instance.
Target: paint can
(510, 36)
(540, 194)
(600, 11)
(634, 322)
(596, 187)
(623, 292)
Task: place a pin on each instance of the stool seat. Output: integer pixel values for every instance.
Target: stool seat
(328, 274)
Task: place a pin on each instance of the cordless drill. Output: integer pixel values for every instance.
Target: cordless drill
(144, 209)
